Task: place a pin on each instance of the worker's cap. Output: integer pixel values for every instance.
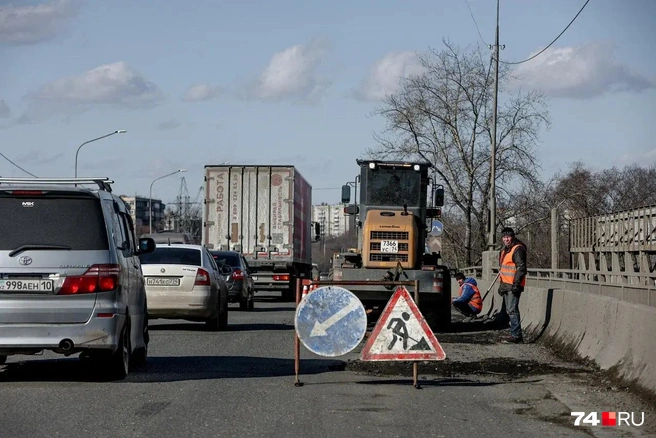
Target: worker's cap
(508, 232)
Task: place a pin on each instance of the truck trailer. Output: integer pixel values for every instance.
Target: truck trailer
(265, 213)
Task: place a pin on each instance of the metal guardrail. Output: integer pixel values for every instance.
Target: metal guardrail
(636, 288)
(633, 279)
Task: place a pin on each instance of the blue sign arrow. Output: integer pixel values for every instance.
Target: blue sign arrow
(330, 321)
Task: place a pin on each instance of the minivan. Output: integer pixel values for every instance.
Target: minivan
(70, 276)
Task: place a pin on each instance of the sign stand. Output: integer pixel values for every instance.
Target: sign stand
(402, 333)
(426, 347)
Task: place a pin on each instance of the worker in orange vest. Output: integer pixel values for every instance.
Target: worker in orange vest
(512, 279)
(469, 301)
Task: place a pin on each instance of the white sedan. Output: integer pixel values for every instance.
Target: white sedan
(184, 282)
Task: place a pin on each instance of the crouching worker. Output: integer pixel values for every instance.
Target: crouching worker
(469, 301)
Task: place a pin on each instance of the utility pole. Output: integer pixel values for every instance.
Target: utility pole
(493, 154)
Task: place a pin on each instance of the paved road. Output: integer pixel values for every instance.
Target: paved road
(239, 383)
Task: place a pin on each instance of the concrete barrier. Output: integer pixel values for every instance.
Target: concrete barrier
(615, 334)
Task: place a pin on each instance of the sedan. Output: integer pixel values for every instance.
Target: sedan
(241, 287)
(184, 282)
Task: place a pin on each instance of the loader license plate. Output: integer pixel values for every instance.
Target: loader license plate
(389, 246)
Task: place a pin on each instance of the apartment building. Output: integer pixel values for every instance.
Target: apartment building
(332, 219)
(140, 213)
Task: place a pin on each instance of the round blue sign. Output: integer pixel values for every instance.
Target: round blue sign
(330, 321)
(436, 228)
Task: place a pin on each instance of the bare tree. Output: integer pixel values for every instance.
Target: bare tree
(587, 193)
(444, 116)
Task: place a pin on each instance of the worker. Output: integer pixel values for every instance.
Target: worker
(512, 279)
(469, 301)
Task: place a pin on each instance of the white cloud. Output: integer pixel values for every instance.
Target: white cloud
(35, 23)
(199, 93)
(5, 112)
(639, 157)
(168, 124)
(38, 158)
(116, 85)
(293, 73)
(579, 72)
(385, 75)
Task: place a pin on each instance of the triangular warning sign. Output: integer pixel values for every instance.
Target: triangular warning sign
(402, 333)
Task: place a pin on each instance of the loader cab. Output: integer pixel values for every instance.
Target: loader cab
(393, 210)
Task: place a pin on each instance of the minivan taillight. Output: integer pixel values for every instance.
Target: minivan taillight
(98, 278)
(237, 274)
(202, 278)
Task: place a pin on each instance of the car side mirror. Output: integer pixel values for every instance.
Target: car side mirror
(146, 245)
(225, 269)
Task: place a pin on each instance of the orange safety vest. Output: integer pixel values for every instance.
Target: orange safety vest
(476, 300)
(508, 267)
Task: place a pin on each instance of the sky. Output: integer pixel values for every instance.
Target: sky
(296, 82)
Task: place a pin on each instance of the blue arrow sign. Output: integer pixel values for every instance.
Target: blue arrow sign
(330, 321)
(436, 228)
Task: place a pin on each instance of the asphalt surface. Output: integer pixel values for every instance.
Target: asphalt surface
(240, 383)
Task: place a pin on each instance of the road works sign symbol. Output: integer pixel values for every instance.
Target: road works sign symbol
(402, 333)
(330, 321)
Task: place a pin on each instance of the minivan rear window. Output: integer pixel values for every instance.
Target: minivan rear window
(164, 255)
(75, 222)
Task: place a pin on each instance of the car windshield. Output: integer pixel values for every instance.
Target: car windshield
(229, 259)
(74, 222)
(164, 255)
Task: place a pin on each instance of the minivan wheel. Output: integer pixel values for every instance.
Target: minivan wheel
(119, 362)
(140, 355)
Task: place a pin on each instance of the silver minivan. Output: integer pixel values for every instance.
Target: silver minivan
(70, 276)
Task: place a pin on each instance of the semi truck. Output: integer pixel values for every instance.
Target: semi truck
(265, 213)
(393, 219)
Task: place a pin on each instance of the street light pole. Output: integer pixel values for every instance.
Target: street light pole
(150, 198)
(493, 154)
(118, 131)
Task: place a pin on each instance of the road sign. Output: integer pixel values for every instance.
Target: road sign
(402, 333)
(437, 227)
(330, 321)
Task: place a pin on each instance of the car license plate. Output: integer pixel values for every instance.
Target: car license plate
(389, 246)
(162, 281)
(27, 285)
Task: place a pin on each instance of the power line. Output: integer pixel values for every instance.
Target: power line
(3, 156)
(551, 43)
(475, 23)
